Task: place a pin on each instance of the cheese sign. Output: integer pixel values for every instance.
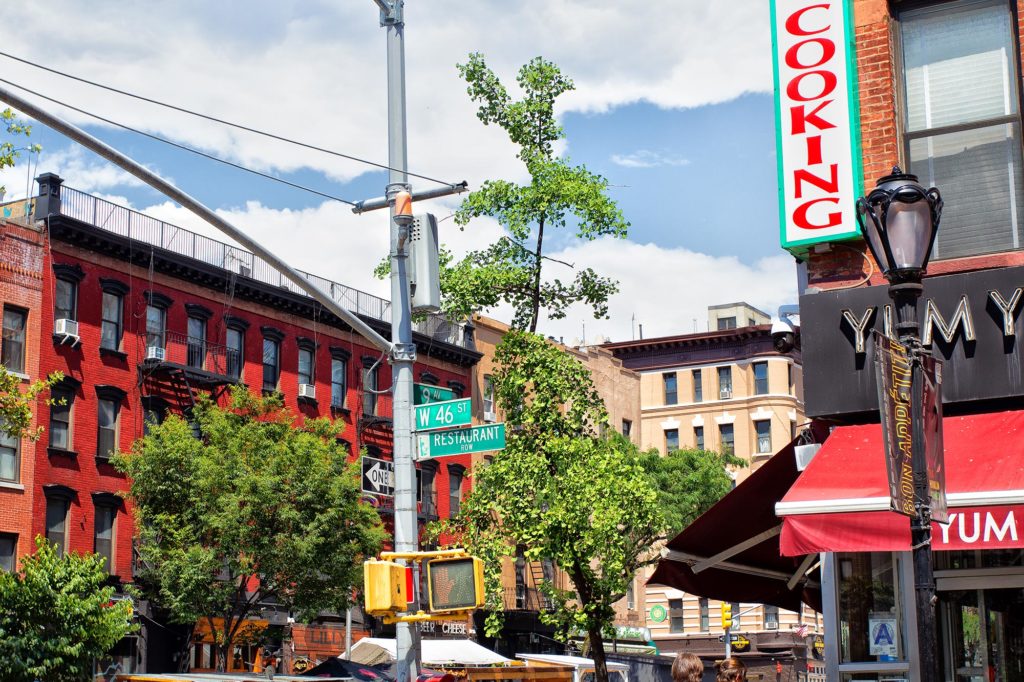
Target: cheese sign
(817, 127)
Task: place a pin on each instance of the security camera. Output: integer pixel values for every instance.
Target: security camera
(783, 336)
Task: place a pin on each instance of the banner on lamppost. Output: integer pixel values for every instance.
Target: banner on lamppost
(895, 378)
(933, 450)
(894, 394)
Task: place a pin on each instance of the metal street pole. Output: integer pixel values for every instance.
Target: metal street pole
(905, 296)
(403, 352)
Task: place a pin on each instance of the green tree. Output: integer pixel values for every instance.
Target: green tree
(689, 482)
(560, 491)
(558, 196)
(56, 617)
(8, 152)
(16, 403)
(256, 510)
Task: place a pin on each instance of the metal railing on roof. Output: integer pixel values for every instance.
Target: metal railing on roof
(125, 222)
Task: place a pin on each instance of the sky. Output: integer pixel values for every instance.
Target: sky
(672, 105)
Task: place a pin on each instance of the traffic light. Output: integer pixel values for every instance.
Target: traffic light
(424, 266)
(384, 587)
(726, 616)
(455, 584)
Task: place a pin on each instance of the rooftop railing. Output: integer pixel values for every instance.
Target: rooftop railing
(140, 227)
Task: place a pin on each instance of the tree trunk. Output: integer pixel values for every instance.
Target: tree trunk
(536, 278)
(223, 648)
(597, 653)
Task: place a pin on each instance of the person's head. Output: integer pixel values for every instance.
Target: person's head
(687, 668)
(732, 670)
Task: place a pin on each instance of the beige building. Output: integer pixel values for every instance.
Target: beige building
(619, 387)
(725, 390)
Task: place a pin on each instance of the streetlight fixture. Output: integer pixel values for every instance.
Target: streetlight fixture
(904, 219)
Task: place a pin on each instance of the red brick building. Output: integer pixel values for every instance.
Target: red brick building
(142, 317)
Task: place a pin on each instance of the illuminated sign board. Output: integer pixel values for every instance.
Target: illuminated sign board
(816, 121)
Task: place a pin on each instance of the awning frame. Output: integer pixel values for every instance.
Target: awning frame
(691, 559)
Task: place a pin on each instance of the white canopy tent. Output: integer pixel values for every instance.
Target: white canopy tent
(436, 652)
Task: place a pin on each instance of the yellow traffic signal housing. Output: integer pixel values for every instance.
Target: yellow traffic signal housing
(455, 584)
(726, 616)
(384, 587)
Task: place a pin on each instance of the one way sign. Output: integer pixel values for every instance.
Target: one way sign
(378, 476)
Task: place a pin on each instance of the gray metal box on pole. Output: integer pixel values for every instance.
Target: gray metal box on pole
(424, 267)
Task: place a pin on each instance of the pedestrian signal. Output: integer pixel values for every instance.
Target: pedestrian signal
(455, 584)
(384, 588)
(726, 616)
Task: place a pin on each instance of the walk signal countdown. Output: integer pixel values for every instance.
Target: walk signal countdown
(455, 584)
(384, 587)
(726, 616)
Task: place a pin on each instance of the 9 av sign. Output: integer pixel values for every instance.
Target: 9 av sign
(423, 394)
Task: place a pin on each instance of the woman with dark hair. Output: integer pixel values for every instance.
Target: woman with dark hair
(687, 668)
(732, 670)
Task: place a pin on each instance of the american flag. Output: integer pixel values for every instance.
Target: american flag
(802, 631)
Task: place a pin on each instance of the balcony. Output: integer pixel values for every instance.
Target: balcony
(522, 598)
(133, 225)
(200, 360)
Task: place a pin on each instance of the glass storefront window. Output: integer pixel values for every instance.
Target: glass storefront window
(869, 609)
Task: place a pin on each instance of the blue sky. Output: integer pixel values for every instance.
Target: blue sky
(678, 117)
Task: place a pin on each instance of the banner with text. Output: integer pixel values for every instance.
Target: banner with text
(894, 395)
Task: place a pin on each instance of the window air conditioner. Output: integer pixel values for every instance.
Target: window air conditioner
(771, 625)
(490, 416)
(156, 353)
(307, 391)
(66, 328)
(725, 394)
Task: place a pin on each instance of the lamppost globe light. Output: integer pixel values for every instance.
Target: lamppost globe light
(903, 221)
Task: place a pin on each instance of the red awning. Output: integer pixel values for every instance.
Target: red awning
(841, 502)
(731, 552)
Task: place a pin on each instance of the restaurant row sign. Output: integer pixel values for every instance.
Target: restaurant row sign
(817, 127)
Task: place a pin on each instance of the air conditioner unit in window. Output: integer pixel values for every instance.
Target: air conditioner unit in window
(725, 394)
(490, 416)
(771, 625)
(307, 391)
(156, 353)
(66, 328)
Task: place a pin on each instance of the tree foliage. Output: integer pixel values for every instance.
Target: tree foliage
(558, 196)
(689, 482)
(56, 616)
(256, 510)
(16, 403)
(14, 126)
(560, 491)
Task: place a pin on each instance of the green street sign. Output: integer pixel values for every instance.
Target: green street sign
(461, 441)
(423, 394)
(443, 415)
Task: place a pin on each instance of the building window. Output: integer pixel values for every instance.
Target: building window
(764, 436)
(154, 411)
(56, 522)
(458, 388)
(630, 595)
(760, 378)
(705, 616)
(108, 412)
(111, 321)
(370, 368)
(698, 437)
(105, 517)
(339, 382)
(724, 383)
(271, 363)
(520, 579)
(456, 472)
(725, 436)
(547, 569)
(65, 300)
(156, 326)
(698, 386)
(12, 346)
(627, 427)
(671, 392)
(306, 364)
(789, 378)
(726, 323)
(428, 495)
(488, 399)
(10, 454)
(771, 617)
(8, 552)
(60, 417)
(196, 342)
(961, 121)
(671, 440)
(234, 340)
(676, 616)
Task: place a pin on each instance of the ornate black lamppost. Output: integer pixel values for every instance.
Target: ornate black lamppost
(903, 221)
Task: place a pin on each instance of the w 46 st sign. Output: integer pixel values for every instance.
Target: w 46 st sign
(443, 415)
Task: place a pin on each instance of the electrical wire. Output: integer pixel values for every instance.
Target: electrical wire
(222, 121)
(179, 146)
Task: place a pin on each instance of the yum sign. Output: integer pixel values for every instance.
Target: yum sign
(816, 121)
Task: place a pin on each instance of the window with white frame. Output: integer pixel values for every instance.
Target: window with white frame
(724, 383)
(763, 427)
(488, 398)
(10, 455)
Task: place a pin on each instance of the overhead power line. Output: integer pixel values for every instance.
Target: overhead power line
(178, 145)
(221, 121)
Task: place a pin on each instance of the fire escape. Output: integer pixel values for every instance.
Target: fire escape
(178, 365)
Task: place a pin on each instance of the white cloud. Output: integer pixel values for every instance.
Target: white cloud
(645, 158)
